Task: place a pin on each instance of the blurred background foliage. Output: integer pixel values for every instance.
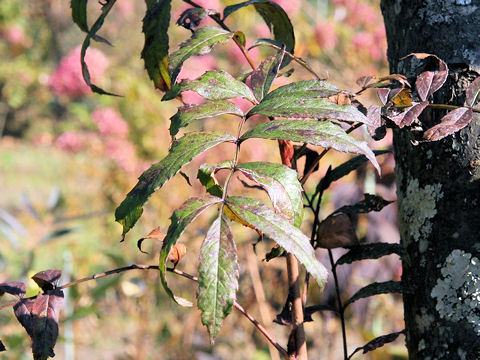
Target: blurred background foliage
(67, 157)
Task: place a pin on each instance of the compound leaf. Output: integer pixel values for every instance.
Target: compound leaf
(182, 151)
(217, 275)
(263, 77)
(452, 122)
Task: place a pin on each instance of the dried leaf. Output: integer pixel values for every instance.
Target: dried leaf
(15, 288)
(177, 253)
(452, 122)
(408, 116)
(155, 234)
(337, 230)
(48, 279)
(190, 19)
(378, 342)
(473, 93)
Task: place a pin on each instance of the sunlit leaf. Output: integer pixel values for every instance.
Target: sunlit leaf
(182, 151)
(323, 133)
(376, 288)
(155, 234)
(207, 178)
(370, 251)
(179, 220)
(377, 129)
(401, 97)
(430, 81)
(217, 275)
(408, 116)
(452, 122)
(15, 288)
(281, 184)
(48, 279)
(306, 88)
(189, 113)
(200, 43)
(263, 77)
(79, 13)
(213, 85)
(279, 229)
(473, 93)
(155, 49)
(276, 19)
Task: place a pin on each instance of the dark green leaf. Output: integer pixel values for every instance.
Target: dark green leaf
(182, 151)
(92, 34)
(279, 229)
(155, 49)
(179, 220)
(369, 251)
(200, 43)
(370, 203)
(281, 184)
(79, 13)
(275, 17)
(206, 177)
(213, 85)
(189, 113)
(275, 252)
(344, 169)
(376, 288)
(263, 77)
(191, 18)
(217, 275)
(323, 133)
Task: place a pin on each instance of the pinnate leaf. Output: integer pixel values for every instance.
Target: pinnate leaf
(201, 42)
(189, 113)
(213, 85)
(155, 49)
(281, 184)
(207, 178)
(306, 88)
(473, 92)
(180, 219)
(376, 288)
(276, 19)
(452, 122)
(263, 77)
(217, 275)
(323, 133)
(280, 230)
(182, 151)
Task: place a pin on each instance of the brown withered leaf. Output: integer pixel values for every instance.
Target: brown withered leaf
(407, 117)
(155, 234)
(48, 279)
(473, 93)
(39, 317)
(430, 81)
(396, 77)
(378, 342)
(337, 230)
(452, 122)
(341, 99)
(15, 288)
(177, 253)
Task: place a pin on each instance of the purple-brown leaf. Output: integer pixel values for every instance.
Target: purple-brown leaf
(430, 81)
(473, 92)
(407, 117)
(48, 279)
(377, 129)
(383, 94)
(378, 342)
(452, 122)
(15, 288)
(39, 317)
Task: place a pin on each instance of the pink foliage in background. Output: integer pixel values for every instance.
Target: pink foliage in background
(291, 7)
(110, 122)
(71, 141)
(325, 36)
(122, 152)
(67, 79)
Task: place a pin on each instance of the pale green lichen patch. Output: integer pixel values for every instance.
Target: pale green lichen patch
(417, 206)
(458, 290)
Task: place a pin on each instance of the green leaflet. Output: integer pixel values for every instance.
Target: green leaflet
(263, 77)
(213, 85)
(92, 34)
(155, 49)
(79, 13)
(323, 133)
(189, 113)
(207, 178)
(217, 275)
(304, 89)
(179, 220)
(277, 20)
(200, 43)
(281, 184)
(279, 229)
(182, 151)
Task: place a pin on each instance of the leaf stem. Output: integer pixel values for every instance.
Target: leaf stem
(450, 107)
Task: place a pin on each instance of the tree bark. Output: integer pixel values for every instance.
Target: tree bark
(438, 183)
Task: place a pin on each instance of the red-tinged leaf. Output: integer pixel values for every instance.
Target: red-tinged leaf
(452, 122)
(423, 84)
(217, 275)
(263, 77)
(430, 81)
(40, 320)
(363, 81)
(473, 93)
(15, 288)
(383, 94)
(177, 253)
(337, 230)
(378, 342)
(48, 279)
(155, 234)
(407, 117)
(180, 219)
(377, 130)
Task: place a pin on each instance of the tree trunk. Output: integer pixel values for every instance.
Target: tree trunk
(438, 183)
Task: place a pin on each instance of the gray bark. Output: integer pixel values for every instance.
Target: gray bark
(438, 183)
